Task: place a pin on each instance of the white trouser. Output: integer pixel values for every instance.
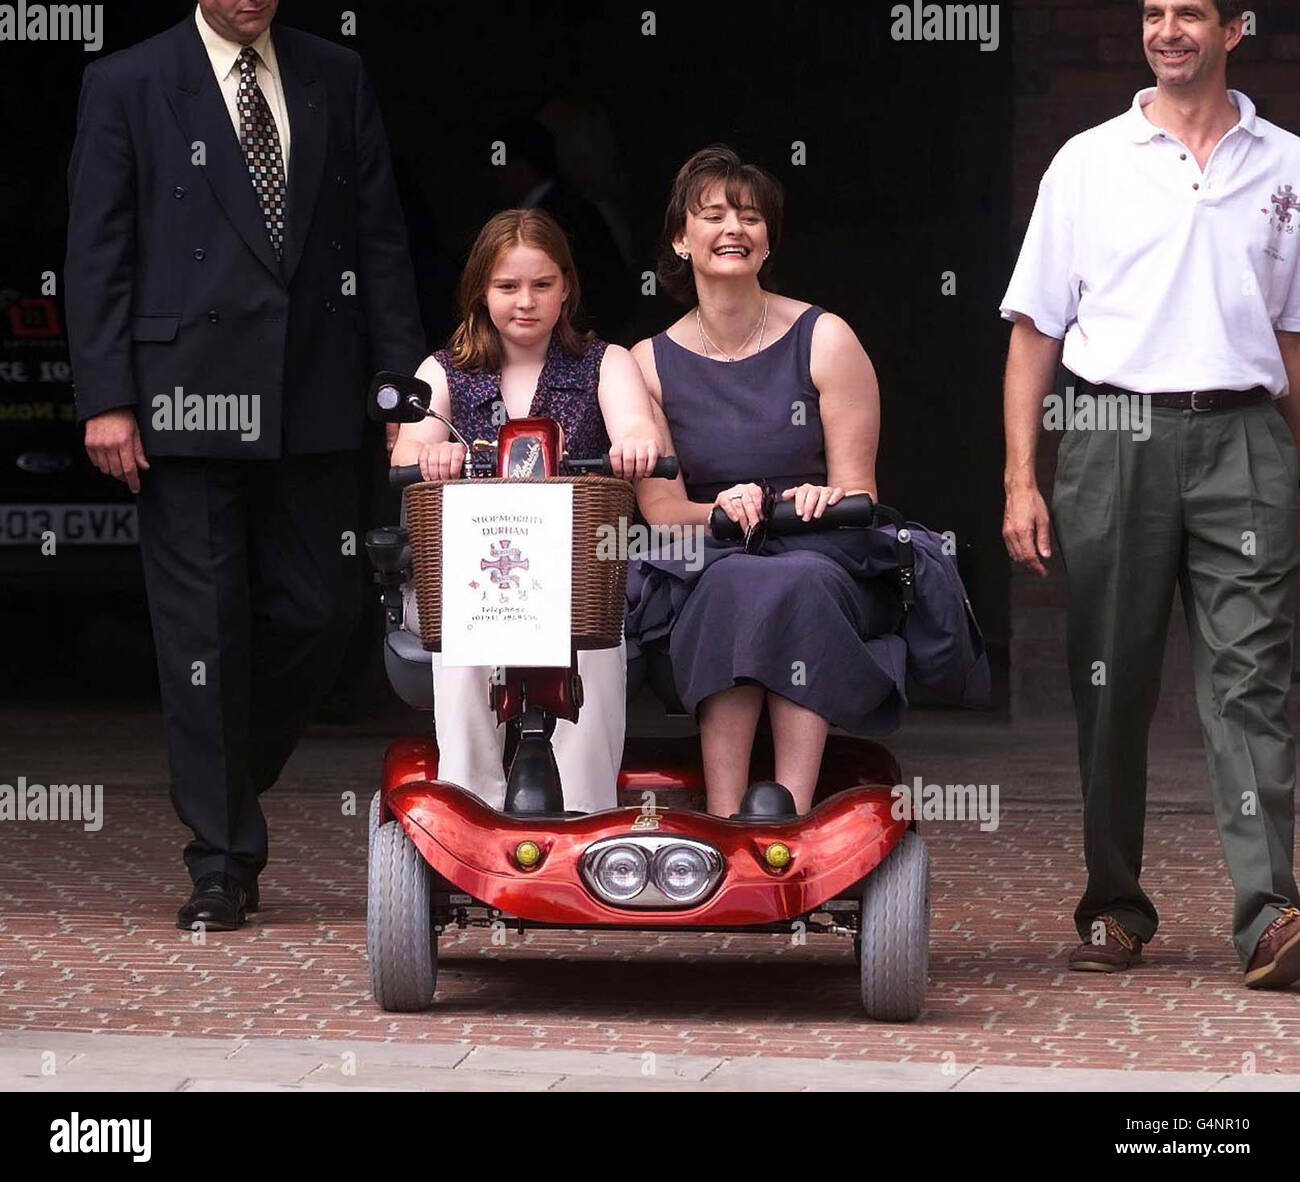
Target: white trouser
(588, 752)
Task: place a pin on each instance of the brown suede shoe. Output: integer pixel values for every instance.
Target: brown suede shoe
(1120, 950)
(1276, 963)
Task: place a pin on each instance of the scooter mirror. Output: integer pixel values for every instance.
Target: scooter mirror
(398, 398)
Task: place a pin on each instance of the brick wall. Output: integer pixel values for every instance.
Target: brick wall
(1076, 65)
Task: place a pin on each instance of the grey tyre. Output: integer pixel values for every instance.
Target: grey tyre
(894, 933)
(400, 941)
(374, 819)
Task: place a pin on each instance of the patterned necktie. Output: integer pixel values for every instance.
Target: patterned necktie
(261, 142)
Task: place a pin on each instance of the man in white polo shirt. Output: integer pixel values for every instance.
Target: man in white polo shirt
(1163, 251)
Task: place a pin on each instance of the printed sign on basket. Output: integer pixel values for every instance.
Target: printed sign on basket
(507, 569)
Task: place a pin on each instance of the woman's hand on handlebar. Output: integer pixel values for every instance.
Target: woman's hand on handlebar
(442, 461)
(634, 456)
(743, 503)
(811, 500)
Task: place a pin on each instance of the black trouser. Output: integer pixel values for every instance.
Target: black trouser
(252, 589)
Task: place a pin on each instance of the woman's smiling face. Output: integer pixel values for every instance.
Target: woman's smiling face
(525, 295)
(725, 241)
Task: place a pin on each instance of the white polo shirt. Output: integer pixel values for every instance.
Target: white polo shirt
(1157, 276)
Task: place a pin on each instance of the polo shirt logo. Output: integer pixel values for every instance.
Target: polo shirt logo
(1286, 202)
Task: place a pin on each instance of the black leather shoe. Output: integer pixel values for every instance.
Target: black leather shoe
(219, 902)
(254, 898)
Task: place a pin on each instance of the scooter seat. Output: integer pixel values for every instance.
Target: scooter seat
(409, 668)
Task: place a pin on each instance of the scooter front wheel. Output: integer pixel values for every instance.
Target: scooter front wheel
(894, 933)
(400, 940)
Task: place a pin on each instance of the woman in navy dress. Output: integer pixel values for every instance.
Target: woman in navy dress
(755, 385)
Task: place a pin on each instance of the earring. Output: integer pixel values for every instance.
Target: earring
(767, 253)
(684, 254)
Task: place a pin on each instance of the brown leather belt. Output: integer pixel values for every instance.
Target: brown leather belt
(1201, 401)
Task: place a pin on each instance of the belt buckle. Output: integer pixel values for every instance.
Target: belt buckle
(1199, 409)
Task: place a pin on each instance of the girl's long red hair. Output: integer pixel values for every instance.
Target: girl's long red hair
(476, 344)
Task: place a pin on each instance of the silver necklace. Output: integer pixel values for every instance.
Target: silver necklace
(760, 327)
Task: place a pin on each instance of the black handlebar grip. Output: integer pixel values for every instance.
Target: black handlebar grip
(855, 512)
(722, 528)
(407, 474)
(665, 467)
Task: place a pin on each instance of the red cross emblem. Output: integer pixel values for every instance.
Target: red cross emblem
(1287, 202)
(505, 560)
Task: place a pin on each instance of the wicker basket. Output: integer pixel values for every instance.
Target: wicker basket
(598, 583)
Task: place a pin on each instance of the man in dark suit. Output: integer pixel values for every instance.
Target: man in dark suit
(237, 265)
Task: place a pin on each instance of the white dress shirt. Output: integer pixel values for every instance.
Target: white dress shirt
(1158, 276)
(224, 56)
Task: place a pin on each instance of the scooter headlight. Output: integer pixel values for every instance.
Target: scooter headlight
(652, 871)
(682, 872)
(621, 872)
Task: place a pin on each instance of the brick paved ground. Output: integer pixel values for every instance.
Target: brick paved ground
(87, 943)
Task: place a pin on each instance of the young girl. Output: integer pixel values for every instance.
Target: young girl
(516, 354)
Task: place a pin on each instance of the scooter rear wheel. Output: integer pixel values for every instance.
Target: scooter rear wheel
(894, 933)
(400, 940)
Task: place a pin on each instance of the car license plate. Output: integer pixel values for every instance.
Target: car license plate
(73, 525)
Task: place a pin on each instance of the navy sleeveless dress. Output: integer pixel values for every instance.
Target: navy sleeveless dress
(567, 391)
(818, 618)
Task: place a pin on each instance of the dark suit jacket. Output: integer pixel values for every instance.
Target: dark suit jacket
(171, 279)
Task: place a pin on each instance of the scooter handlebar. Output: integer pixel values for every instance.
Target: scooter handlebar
(859, 511)
(665, 469)
(406, 474)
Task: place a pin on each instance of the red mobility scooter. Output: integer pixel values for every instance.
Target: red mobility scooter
(439, 856)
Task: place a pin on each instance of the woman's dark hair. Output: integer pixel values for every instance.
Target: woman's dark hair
(1229, 10)
(747, 187)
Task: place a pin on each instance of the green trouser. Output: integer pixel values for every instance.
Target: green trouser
(1207, 502)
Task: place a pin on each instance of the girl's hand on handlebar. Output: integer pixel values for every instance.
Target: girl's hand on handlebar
(810, 500)
(743, 503)
(442, 461)
(634, 456)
